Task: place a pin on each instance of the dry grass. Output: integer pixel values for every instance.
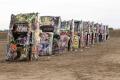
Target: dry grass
(115, 33)
(3, 35)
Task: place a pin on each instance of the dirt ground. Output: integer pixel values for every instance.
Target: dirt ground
(100, 62)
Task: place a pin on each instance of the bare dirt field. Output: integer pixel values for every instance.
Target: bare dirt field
(100, 62)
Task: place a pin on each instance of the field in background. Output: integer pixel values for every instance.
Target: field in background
(3, 36)
(115, 33)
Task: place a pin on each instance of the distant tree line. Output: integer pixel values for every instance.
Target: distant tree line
(3, 34)
(111, 29)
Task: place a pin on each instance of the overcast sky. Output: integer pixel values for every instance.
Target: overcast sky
(101, 11)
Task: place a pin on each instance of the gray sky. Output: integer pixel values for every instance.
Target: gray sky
(101, 11)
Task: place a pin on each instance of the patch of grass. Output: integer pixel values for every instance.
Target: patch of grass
(115, 33)
(3, 35)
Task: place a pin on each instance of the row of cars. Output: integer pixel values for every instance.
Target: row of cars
(31, 36)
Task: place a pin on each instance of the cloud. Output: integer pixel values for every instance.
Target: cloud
(102, 11)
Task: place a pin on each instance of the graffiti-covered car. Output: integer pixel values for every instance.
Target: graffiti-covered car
(21, 36)
(50, 27)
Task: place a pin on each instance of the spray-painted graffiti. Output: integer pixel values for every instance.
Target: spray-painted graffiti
(45, 45)
(30, 36)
